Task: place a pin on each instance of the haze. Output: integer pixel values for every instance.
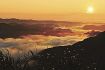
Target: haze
(70, 10)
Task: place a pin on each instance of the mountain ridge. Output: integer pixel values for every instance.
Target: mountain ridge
(84, 55)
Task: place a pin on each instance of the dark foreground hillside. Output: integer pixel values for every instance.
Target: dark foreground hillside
(88, 54)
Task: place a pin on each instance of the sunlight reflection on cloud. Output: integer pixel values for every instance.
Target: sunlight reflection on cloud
(36, 42)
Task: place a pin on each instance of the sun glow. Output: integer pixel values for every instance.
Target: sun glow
(90, 10)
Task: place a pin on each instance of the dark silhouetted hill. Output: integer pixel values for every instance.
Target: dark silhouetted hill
(88, 54)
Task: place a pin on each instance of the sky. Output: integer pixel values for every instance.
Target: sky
(69, 10)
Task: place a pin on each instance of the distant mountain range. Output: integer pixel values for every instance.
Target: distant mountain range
(17, 28)
(88, 54)
(14, 20)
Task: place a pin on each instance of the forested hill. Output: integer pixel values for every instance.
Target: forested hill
(88, 54)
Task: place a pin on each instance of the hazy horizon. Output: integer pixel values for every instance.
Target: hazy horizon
(66, 10)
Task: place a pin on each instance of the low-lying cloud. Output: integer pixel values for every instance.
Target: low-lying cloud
(92, 33)
(36, 43)
(14, 30)
(94, 27)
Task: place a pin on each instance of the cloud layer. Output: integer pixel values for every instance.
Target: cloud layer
(17, 30)
(19, 35)
(94, 27)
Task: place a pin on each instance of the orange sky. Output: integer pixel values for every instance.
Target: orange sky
(71, 10)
